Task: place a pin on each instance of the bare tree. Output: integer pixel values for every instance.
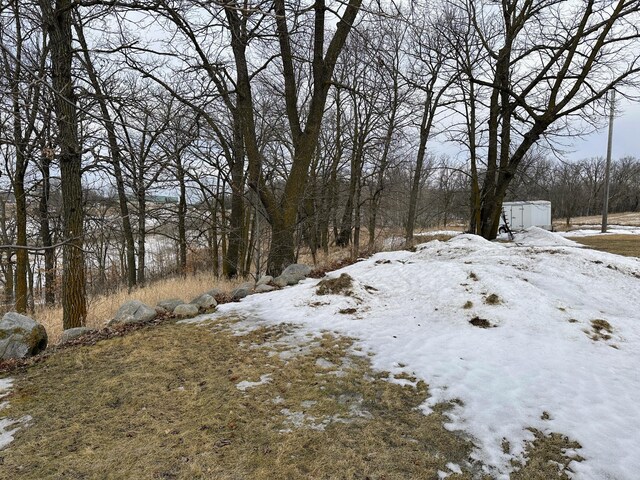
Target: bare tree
(57, 19)
(546, 64)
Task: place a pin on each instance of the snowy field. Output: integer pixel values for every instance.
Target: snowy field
(590, 230)
(542, 363)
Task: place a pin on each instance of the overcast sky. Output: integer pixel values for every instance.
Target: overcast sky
(626, 136)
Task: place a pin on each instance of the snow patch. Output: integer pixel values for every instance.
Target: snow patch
(245, 385)
(540, 357)
(7, 433)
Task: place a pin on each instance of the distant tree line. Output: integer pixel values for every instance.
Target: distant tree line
(236, 134)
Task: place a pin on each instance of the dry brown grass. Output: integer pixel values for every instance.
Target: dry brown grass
(547, 458)
(335, 286)
(165, 405)
(624, 218)
(102, 308)
(628, 245)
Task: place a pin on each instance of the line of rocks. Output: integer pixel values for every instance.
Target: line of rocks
(22, 337)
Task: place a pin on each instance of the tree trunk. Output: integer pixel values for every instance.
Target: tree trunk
(182, 214)
(142, 231)
(22, 255)
(73, 282)
(233, 259)
(6, 256)
(45, 234)
(425, 130)
(281, 251)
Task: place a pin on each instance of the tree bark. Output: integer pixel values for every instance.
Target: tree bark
(58, 23)
(45, 234)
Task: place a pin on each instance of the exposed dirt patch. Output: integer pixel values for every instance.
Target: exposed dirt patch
(336, 286)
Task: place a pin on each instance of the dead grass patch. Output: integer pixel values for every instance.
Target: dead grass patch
(336, 286)
(480, 322)
(492, 299)
(628, 245)
(167, 406)
(102, 308)
(427, 237)
(623, 218)
(548, 457)
(601, 330)
(348, 311)
(467, 305)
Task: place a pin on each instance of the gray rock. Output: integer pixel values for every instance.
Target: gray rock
(284, 280)
(73, 333)
(264, 281)
(264, 288)
(239, 293)
(21, 336)
(186, 310)
(204, 301)
(297, 270)
(214, 291)
(170, 304)
(247, 286)
(281, 281)
(134, 311)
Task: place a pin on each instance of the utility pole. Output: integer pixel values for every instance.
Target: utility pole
(605, 200)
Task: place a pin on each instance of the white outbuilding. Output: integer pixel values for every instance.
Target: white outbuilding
(521, 215)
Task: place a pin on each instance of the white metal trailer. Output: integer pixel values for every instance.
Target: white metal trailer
(521, 215)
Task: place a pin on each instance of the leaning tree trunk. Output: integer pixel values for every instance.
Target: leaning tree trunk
(58, 22)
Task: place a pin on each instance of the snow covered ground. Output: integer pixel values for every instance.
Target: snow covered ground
(542, 363)
(590, 230)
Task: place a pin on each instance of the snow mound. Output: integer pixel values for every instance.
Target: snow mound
(470, 241)
(436, 233)
(539, 237)
(561, 353)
